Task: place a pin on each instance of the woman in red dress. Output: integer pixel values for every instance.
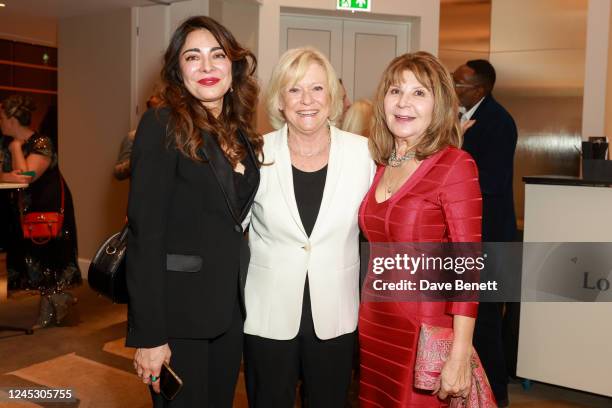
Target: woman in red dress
(425, 190)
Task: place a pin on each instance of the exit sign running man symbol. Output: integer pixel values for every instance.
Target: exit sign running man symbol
(354, 5)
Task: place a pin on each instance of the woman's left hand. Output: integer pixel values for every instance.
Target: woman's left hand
(455, 378)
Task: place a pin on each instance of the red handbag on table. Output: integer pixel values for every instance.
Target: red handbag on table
(432, 352)
(41, 227)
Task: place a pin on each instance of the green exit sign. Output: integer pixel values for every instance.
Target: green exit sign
(354, 5)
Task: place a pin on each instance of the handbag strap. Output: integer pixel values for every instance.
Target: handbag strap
(61, 209)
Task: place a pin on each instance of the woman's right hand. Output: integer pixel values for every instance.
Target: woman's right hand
(15, 177)
(148, 362)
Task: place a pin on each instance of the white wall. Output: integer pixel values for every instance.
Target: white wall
(424, 13)
(241, 17)
(596, 69)
(184, 9)
(94, 114)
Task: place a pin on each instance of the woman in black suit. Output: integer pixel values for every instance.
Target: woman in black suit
(195, 171)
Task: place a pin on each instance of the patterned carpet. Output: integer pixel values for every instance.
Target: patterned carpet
(86, 354)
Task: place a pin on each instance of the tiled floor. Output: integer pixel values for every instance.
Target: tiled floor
(87, 355)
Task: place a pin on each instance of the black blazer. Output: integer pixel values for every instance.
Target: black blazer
(492, 141)
(187, 256)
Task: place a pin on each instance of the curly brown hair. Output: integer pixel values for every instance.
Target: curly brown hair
(189, 116)
(444, 128)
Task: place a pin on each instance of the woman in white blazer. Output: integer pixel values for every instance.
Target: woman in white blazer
(302, 288)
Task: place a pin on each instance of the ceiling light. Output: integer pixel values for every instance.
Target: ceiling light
(2, 5)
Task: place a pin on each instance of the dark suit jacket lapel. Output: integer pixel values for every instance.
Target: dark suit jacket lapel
(253, 158)
(481, 111)
(222, 170)
(480, 116)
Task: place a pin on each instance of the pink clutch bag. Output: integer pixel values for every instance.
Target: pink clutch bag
(432, 352)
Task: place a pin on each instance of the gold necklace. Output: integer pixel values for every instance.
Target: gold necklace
(389, 185)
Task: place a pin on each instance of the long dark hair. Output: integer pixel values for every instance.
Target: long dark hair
(189, 116)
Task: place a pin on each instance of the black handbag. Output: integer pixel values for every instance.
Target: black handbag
(106, 273)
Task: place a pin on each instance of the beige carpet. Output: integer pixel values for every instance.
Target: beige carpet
(94, 384)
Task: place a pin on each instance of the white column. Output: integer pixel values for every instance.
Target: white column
(596, 69)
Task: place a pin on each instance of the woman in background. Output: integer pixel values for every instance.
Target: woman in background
(122, 170)
(50, 267)
(358, 118)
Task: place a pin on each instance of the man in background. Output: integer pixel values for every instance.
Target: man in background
(490, 137)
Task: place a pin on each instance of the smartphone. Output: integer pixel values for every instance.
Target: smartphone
(169, 383)
(28, 173)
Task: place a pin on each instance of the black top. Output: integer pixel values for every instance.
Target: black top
(245, 184)
(44, 194)
(308, 188)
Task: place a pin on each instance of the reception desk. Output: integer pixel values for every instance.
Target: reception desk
(562, 343)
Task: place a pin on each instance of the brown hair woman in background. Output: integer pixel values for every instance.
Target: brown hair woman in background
(51, 266)
(195, 171)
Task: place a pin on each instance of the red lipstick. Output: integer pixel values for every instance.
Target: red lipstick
(210, 81)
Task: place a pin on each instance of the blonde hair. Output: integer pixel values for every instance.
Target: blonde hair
(444, 128)
(290, 69)
(358, 118)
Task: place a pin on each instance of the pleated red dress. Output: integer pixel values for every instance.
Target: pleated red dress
(440, 202)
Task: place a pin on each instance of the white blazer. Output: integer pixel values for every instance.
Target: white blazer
(282, 253)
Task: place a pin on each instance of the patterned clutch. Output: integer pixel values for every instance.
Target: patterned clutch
(432, 352)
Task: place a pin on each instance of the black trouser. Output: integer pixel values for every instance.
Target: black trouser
(489, 345)
(208, 367)
(273, 367)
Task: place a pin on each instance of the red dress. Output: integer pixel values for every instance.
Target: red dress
(440, 202)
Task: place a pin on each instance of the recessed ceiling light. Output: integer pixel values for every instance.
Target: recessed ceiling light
(2, 5)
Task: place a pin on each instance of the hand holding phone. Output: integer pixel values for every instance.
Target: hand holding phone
(169, 383)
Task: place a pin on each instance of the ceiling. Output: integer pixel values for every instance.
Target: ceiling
(57, 9)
